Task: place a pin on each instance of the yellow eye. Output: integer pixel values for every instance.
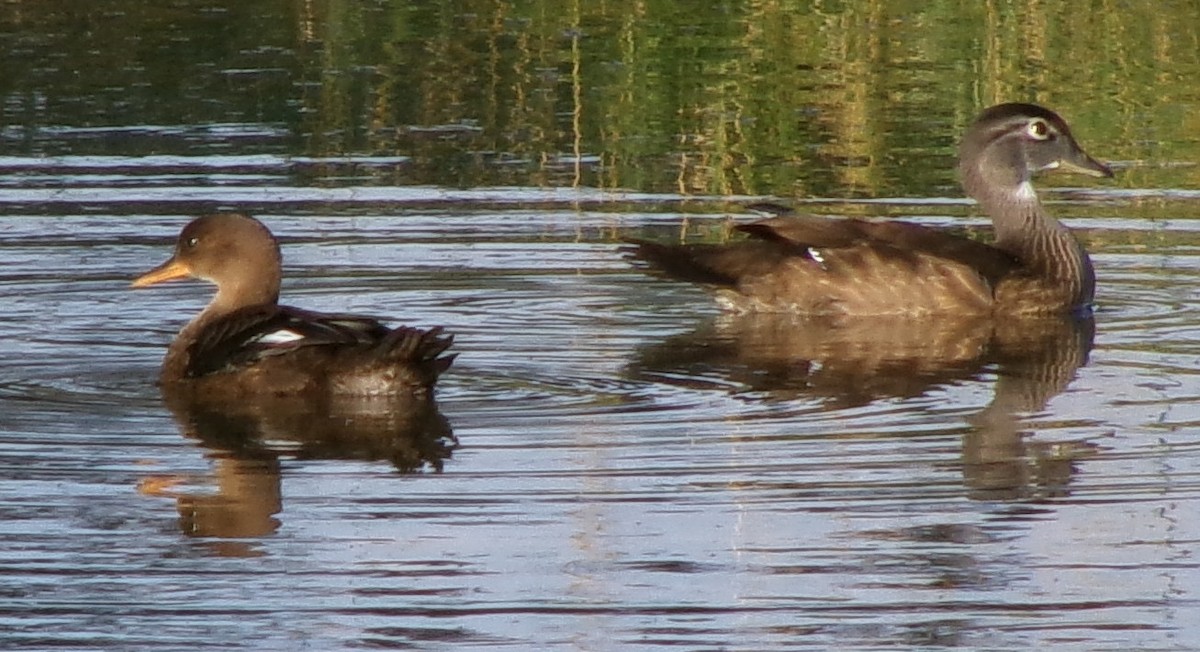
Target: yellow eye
(1039, 130)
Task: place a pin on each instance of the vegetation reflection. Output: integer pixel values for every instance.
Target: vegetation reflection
(780, 97)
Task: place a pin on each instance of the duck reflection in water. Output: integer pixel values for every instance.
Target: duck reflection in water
(856, 309)
(252, 379)
(247, 441)
(780, 357)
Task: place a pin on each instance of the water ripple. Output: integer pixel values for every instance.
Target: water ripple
(671, 506)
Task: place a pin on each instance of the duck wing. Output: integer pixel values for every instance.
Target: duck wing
(807, 263)
(812, 236)
(712, 264)
(254, 333)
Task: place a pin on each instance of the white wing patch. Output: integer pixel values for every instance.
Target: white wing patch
(815, 254)
(281, 336)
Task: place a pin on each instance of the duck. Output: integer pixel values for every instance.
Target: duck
(244, 343)
(820, 265)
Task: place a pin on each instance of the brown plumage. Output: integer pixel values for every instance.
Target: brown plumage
(244, 343)
(819, 265)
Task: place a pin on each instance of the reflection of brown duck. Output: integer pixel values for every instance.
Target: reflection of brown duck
(409, 432)
(246, 440)
(851, 362)
(1034, 364)
(253, 380)
(855, 361)
(245, 343)
(816, 265)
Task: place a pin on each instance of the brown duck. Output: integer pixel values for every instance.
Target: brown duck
(826, 266)
(244, 343)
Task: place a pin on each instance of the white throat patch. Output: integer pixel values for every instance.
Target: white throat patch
(1026, 192)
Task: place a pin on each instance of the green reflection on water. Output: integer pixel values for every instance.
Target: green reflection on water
(787, 98)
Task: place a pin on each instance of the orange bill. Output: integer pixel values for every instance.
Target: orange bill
(168, 271)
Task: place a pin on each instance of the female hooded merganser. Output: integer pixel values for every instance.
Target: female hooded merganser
(245, 343)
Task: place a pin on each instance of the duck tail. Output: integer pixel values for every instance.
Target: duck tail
(695, 263)
(424, 348)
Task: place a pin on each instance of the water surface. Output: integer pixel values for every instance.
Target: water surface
(613, 464)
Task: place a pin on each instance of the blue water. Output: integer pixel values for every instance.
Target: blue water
(630, 472)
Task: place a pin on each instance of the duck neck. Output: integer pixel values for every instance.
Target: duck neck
(179, 353)
(228, 299)
(1041, 243)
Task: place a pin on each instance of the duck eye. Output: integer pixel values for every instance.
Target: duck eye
(1039, 130)
(191, 243)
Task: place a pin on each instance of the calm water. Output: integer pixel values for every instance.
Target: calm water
(614, 465)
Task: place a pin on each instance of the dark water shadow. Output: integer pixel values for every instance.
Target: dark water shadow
(850, 363)
(246, 440)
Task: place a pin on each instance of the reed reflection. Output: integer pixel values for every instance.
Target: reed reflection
(853, 362)
(247, 441)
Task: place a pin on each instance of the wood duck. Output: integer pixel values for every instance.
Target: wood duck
(826, 266)
(244, 343)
